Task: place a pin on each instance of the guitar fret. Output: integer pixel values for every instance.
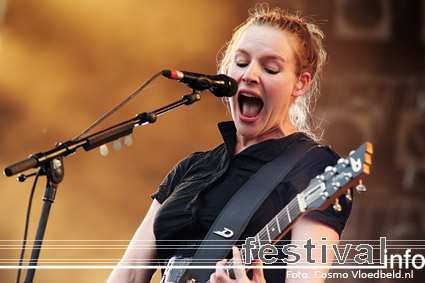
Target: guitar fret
(301, 202)
(259, 241)
(289, 216)
(242, 257)
(268, 233)
(278, 225)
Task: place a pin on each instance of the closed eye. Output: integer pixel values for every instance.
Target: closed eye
(241, 65)
(271, 71)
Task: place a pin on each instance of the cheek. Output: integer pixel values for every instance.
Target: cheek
(279, 93)
(234, 73)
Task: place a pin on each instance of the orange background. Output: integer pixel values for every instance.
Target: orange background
(65, 63)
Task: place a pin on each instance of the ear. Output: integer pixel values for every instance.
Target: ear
(302, 84)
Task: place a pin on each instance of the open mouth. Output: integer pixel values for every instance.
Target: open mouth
(250, 105)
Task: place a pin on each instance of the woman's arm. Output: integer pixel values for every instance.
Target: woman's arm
(310, 228)
(144, 237)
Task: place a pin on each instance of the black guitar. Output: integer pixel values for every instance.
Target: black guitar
(322, 191)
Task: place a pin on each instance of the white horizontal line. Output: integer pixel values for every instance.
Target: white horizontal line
(192, 267)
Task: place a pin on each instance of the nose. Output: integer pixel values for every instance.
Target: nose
(251, 74)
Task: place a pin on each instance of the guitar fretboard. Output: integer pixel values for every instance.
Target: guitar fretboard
(273, 231)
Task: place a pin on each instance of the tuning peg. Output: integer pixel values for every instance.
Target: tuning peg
(337, 207)
(348, 196)
(331, 169)
(344, 162)
(320, 178)
(117, 144)
(336, 185)
(324, 194)
(348, 175)
(104, 151)
(360, 187)
(128, 140)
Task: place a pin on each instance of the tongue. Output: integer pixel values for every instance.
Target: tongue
(251, 109)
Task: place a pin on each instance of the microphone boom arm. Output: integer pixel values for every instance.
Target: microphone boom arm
(97, 139)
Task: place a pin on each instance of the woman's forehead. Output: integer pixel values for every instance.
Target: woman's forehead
(266, 40)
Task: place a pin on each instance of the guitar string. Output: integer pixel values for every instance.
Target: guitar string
(283, 221)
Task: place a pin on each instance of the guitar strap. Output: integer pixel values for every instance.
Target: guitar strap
(235, 216)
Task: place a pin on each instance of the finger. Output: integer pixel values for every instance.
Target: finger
(240, 273)
(220, 270)
(258, 273)
(213, 278)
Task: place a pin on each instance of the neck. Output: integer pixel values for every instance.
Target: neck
(243, 142)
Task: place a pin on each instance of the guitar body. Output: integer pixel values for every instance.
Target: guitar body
(173, 273)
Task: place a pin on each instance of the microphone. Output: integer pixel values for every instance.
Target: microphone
(219, 85)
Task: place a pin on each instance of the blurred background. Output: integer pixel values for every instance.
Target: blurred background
(65, 63)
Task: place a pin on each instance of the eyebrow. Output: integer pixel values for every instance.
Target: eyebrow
(271, 56)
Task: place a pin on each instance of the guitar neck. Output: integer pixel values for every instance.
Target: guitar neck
(274, 230)
(278, 226)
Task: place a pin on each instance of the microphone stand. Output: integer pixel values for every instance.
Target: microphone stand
(54, 172)
(51, 163)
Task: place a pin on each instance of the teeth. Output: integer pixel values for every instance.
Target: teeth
(248, 95)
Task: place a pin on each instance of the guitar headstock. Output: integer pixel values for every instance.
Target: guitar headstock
(338, 179)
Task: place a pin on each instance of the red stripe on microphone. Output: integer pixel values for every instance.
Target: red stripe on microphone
(174, 75)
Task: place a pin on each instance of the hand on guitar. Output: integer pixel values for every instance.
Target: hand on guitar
(221, 276)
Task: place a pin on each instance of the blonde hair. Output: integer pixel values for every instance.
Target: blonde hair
(310, 56)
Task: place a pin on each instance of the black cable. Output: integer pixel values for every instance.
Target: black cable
(101, 119)
(18, 277)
